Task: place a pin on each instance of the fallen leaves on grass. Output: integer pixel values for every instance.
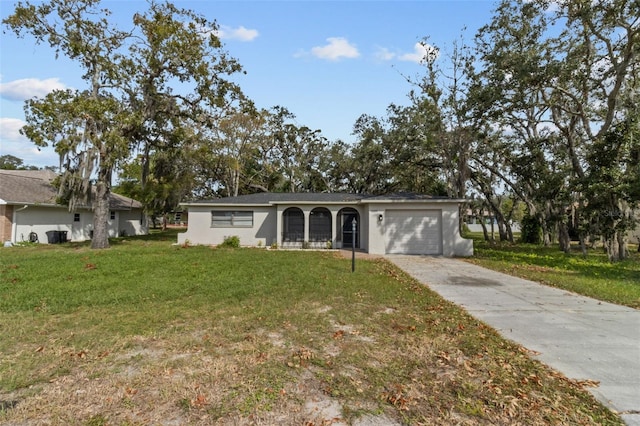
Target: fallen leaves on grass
(400, 328)
(301, 357)
(199, 401)
(588, 383)
(396, 396)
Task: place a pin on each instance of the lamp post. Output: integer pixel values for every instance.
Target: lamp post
(353, 244)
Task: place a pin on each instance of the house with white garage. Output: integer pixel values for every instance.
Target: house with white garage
(29, 211)
(386, 224)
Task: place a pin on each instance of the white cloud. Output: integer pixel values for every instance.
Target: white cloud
(10, 129)
(27, 88)
(421, 52)
(240, 33)
(337, 47)
(13, 143)
(384, 54)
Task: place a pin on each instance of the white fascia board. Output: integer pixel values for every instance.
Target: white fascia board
(437, 200)
(31, 204)
(225, 205)
(314, 203)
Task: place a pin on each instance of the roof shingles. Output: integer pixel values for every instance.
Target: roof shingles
(35, 187)
(267, 198)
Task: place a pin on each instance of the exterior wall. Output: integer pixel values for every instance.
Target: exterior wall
(267, 226)
(375, 232)
(132, 223)
(366, 222)
(6, 218)
(81, 230)
(452, 243)
(40, 220)
(113, 225)
(200, 231)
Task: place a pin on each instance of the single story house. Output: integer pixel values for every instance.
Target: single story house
(390, 224)
(29, 212)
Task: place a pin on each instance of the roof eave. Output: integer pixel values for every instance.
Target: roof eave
(204, 204)
(32, 204)
(428, 200)
(315, 203)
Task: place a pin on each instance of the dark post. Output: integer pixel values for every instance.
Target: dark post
(353, 245)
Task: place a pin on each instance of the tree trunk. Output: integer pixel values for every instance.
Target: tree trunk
(485, 231)
(484, 225)
(546, 236)
(583, 244)
(509, 232)
(492, 228)
(611, 244)
(623, 253)
(462, 212)
(101, 213)
(501, 227)
(563, 237)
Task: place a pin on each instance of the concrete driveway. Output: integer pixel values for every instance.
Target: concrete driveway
(580, 337)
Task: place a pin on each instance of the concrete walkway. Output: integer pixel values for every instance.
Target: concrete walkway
(580, 337)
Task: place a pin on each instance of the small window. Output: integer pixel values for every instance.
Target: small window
(226, 218)
(76, 217)
(112, 215)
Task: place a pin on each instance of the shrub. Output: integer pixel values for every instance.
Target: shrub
(530, 230)
(231, 242)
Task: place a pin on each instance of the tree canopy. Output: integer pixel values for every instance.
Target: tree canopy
(130, 104)
(540, 110)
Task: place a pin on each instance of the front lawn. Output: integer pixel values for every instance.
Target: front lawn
(593, 276)
(151, 333)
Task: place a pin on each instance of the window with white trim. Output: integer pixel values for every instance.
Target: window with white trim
(231, 219)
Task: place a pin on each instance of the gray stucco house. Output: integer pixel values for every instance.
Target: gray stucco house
(390, 224)
(28, 207)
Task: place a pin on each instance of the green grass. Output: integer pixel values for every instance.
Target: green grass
(593, 276)
(149, 332)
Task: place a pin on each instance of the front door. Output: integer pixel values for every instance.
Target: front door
(347, 230)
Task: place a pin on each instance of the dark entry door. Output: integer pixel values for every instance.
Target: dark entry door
(347, 230)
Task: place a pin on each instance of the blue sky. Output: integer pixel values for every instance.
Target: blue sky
(328, 62)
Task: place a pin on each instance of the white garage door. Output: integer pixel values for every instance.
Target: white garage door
(413, 231)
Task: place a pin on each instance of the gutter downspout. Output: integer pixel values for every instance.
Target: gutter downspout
(14, 230)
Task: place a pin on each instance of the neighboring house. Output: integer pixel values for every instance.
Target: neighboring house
(28, 209)
(393, 224)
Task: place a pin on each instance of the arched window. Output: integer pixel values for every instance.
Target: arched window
(292, 225)
(320, 225)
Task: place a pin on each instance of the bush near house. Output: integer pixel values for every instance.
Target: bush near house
(231, 242)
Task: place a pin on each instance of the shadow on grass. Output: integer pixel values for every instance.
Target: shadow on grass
(170, 236)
